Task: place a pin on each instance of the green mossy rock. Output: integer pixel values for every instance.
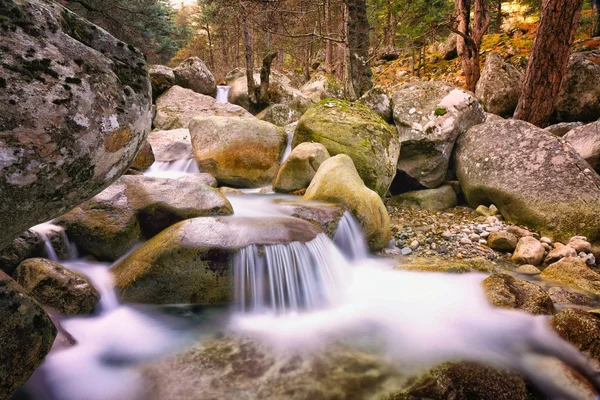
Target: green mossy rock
(353, 129)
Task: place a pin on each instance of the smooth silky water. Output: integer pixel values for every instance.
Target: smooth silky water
(303, 296)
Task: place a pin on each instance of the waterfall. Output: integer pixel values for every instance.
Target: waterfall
(173, 169)
(288, 147)
(47, 231)
(350, 238)
(288, 277)
(223, 94)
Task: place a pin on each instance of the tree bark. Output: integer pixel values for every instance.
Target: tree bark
(249, 54)
(341, 46)
(358, 46)
(470, 38)
(211, 55)
(389, 32)
(596, 28)
(328, 43)
(548, 60)
(265, 73)
(499, 18)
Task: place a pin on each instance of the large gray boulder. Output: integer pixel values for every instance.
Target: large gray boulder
(76, 108)
(586, 141)
(378, 100)
(429, 116)
(238, 152)
(499, 86)
(177, 107)
(355, 130)
(162, 79)
(533, 177)
(193, 74)
(579, 97)
(323, 86)
(191, 261)
(171, 145)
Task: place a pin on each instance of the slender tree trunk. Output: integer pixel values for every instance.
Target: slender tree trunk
(499, 16)
(341, 46)
(358, 47)
(548, 60)
(265, 73)
(211, 54)
(249, 54)
(328, 43)
(469, 40)
(389, 32)
(596, 27)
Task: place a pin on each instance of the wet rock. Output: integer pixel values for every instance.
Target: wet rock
(190, 262)
(298, 170)
(238, 152)
(29, 244)
(323, 86)
(177, 107)
(193, 74)
(579, 95)
(171, 145)
(378, 100)
(529, 251)
(26, 332)
(429, 116)
(581, 329)
(499, 87)
(162, 79)
(137, 207)
(562, 296)
(75, 107)
(572, 271)
(354, 130)
(559, 253)
(562, 128)
(532, 177)
(55, 286)
(437, 199)
(528, 269)
(325, 216)
(144, 158)
(337, 181)
(502, 241)
(507, 292)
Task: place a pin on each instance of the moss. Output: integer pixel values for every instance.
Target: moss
(440, 111)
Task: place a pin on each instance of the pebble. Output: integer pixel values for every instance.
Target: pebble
(414, 245)
(474, 237)
(465, 241)
(528, 269)
(545, 239)
(406, 251)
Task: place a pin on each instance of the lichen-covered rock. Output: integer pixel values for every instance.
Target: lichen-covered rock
(533, 178)
(337, 181)
(190, 262)
(586, 141)
(437, 199)
(193, 74)
(562, 128)
(580, 328)
(529, 251)
(75, 107)
(378, 100)
(162, 79)
(280, 114)
(26, 333)
(28, 245)
(138, 207)
(177, 107)
(429, 116)
(238, 152)
(354, 130)
(299, 168)
(502, 241)
(55, 286)
(323, 86)
(171, 145)
(573, 271)
(499, 86)
(144, 158)
(506, 291)
(579, 97)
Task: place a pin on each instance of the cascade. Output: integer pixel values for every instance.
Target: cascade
(223, 94)
(172, 169)
(349, 238)
(47, 231)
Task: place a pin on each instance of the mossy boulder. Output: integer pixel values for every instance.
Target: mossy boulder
(573, 271)
(429, 117)
(76, 109)
(300, 167)
(580, 328)
(505, 291)
(534, 178)
(337, 181)
(26, 333)
(356, 131)
(28, 245)
(238, 152)
(437, 199)
(378, 100)
(56, 287)
(191, 261)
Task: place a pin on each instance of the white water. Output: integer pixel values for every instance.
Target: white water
(46, 231)
(223, 94)
(173, 169)
(288, 146)
(350, 239)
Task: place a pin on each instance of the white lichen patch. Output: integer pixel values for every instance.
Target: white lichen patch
(109, 124)
(21, 178)
(7, 157)
(454, 99)
(81, 120)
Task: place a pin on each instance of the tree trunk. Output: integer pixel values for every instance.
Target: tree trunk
(548, 60)
(596, 27)
(499, 16)
(358, 47)
(265, 72)
(469, 39)
(211, 54)
(341, 46)
(328, 43)
(389, 32)
(249, 54)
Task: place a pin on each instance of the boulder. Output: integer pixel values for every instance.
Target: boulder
(280, 114)
(529, 251)
(580, 245)
(29, 244)
(177, 107)
(586, 141)
(325, 216)
(190, 262)
(193, 74)
(238, 152)
(502, 241)
(573, 271)
(171, 145)
(562, 128)
(162, 79)
(559, 253)
(138, 207)
(75, 107)
(505, 291)
(26, 332)
(378, 100)
(429, 116)
(579, 97)
(144, 158)
(437, 199)
(55, 286)
(337, 181)
(532, 177)
(448, 49)
(499, 87)
(323, 86)
(354, 130)
(580, 328)
(298, 170)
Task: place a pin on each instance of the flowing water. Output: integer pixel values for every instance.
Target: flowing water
(300, 296)
(223, 94)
